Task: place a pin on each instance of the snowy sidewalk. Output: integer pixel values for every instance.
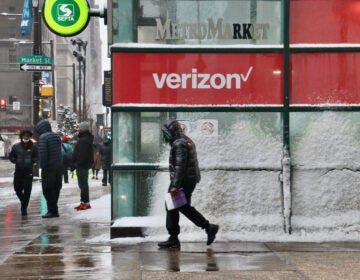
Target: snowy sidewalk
(77, 245)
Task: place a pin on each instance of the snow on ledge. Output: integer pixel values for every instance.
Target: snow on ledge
(195, 46)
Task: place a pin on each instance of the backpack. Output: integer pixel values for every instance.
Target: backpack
(68, 153)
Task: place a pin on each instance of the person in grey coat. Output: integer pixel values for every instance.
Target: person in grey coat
(50, 158)
(24, 154)
(82, 160)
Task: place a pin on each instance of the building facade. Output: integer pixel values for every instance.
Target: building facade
(17, 85)
(268, 91)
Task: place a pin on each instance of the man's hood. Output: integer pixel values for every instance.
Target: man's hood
(42, 127)
(171, 130)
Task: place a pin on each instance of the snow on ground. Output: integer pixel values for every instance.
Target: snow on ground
(101, 213)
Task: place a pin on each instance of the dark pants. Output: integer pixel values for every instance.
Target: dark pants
(105, 178)
(83, 182)
(172, 218)
(51, 181)
(65, 169)
(65, 174)
(22, 185)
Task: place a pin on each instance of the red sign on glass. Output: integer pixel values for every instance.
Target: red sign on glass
(325, 78)
(197, 78)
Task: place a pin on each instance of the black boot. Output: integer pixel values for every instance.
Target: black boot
(50, 215)
(172, 242)
(23, 210)
(211, 232)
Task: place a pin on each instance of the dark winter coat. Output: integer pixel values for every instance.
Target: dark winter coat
(83, 155)
(105, 152)
(24, 155)
(97, 157)
(49, 146)
(183, 164)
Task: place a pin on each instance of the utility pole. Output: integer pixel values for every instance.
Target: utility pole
(36, 51)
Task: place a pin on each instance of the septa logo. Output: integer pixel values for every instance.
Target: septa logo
(66, 12)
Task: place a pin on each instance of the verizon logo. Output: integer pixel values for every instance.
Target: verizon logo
(195, 80)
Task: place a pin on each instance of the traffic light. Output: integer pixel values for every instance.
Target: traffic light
(3, 104)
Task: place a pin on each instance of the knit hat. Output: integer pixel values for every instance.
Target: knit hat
(28, 132)
(84, 126)
(64, 139)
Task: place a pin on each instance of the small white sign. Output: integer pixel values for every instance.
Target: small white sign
(16, 105)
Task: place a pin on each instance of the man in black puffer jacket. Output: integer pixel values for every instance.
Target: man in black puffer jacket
(82, 160)
(184, 174)
(24, 154)
(51, 166)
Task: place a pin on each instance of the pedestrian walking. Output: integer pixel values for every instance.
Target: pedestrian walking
(66, 152)
(24, 154)
(97, 161)
(50, 158)
(105, 152)
(184, 175)
(82, 161)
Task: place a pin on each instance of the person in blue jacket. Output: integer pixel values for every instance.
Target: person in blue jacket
(24, 154)
(50, 158)
(66, 152)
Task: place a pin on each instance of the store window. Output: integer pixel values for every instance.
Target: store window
(325, 78)
(324, 21)
(209, 22)
(221, 139)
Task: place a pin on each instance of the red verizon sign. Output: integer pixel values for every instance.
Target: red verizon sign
(197, 78)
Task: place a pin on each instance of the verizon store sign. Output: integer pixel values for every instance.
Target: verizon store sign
(197, 78)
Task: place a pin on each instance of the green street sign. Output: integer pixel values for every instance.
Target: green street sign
(35, 59)
(66, 17)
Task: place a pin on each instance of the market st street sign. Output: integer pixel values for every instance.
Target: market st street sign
(66, 17)
(35, 59)
(36, 63)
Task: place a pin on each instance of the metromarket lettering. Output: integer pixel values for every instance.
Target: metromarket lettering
(195, 80)
(211, 30)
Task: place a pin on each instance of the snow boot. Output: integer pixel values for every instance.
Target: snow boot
(211, 233)
(172, 242)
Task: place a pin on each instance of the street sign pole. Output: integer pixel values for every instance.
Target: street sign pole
(36, 51)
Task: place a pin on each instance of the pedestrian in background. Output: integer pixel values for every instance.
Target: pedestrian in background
(184, 174)
(105, 151)
(50, 158)
(24, 154)
(82, 161)
(66, 152)
(97, 160)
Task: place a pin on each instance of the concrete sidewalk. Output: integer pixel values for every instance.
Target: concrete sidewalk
(36, 248)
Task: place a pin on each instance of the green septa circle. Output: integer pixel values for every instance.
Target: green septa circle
(66, 17)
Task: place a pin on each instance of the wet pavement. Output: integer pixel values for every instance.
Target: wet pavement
(36, 248)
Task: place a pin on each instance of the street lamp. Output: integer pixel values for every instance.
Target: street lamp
(81, 59)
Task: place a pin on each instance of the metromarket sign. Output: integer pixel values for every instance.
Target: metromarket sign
(66, 17)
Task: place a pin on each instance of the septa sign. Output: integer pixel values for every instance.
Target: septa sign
(66, 17)
(197, 78)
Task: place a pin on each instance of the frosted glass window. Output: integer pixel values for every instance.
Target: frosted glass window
(211, 22)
